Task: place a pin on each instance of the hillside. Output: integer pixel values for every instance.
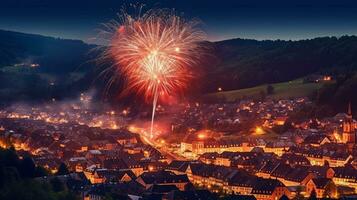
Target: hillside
(34, 67)
(53, 55)
(38, 68)
(245, 63)
(289, 89)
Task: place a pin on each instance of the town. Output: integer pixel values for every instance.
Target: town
(205, 151)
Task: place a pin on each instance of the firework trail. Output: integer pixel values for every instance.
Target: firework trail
(154, 52)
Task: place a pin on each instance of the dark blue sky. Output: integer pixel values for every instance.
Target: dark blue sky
(223, 19)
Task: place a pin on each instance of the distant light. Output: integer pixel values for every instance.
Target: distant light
(220, 89)
(259, 130)
(34, 65)
(201, 136)
(151, 168)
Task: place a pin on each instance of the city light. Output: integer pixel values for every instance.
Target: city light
(259, 130)
(201, 136)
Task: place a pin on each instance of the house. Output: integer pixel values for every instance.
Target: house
(278, 148)
(114, 163)
(290, 176)
(345, 176)
(210, 175)
(110, 176)
(124, 137)
(269, 189)
(148, 179)
(338, 159)
(191, 195)
(324, 188)
(241, 184)
(77, 164)
(208, 158)
(161, 189)
(267, 169)
(178, 167)
(280, 120)
(316, 140)
(315, 156)
(294, 159)
(322, 171)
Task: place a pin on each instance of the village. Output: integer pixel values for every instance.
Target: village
(316, 156)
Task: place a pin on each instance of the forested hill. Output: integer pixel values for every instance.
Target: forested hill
(35, 67)
(61, 66)
(245, 63)
(54, 55)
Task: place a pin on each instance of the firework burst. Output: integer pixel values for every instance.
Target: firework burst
(154, 52)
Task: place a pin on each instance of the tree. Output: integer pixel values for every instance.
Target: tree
(270, 90)
(262, 95)
(27, 168)
(9, 158)
(330, 191)
(26, 190)
(62, 170)
(57, 185)
(313, 195)
(298, 195)
(284, 197)
(40, 171)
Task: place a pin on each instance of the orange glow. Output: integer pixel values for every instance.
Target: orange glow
(151, 168)
(3, 145)
(327, 78)
(133, 129)
(259, 130)
(201, 136)
(114, 126)
(337, 136)
(125, 112)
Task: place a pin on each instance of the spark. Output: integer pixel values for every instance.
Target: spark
(154, 52)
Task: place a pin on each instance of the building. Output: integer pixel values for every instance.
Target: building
(109, 176)
(349, 128)
(316, 140)
(289, 176)
(324, 188)
(148, 179)
(346, 176)
(269, 189)
(201, 146)
(192, 195)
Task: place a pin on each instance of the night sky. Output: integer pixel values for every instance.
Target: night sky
(223, 19)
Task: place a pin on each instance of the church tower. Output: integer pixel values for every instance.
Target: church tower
(349, 130)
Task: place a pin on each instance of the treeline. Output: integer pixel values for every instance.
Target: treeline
(17, 180)
(229, 64)
(242, 63)
(336, 97)
(54, 55)
(331, 99)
